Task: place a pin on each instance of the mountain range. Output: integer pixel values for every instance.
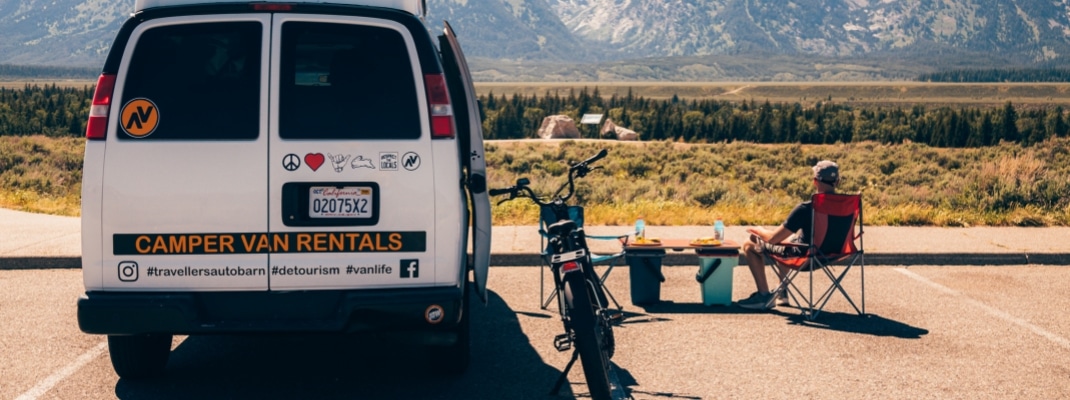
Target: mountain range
(655, 39)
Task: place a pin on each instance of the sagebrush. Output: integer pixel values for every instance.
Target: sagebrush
(756, 184)
(670, 183)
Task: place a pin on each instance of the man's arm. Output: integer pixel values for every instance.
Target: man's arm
(776, 235)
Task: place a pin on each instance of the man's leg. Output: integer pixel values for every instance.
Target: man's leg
(753, 252)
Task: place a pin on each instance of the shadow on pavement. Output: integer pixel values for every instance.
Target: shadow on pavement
(503, 365)
(868, 324)
(628, 381)
(670, 307)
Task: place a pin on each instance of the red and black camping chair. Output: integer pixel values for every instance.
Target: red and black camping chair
(837, 248)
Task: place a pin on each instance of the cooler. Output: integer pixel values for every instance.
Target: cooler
(715, 269)
(644, 271)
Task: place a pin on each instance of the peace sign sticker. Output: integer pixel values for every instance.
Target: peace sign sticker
(291, 162)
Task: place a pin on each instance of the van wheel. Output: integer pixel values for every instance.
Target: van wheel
(139, 356)
(454, 359)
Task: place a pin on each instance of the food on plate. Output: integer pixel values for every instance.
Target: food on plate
(706, 241)
(647, 241)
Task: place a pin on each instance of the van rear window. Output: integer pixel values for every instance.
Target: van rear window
(343, 81)
(194, 82)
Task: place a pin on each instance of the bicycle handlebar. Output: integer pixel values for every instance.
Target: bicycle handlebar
(521, 188)
(583, 164)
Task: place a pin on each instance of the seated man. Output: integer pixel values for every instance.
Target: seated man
(797, 227)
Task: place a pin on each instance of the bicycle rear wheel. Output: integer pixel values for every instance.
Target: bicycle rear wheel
(590, 338)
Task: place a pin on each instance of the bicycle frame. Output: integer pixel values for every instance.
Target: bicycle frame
(581, 299)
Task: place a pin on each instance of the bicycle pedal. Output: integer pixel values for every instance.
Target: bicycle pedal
(615, 317)
(563, 342)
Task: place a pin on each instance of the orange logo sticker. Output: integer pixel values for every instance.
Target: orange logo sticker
(139, 117)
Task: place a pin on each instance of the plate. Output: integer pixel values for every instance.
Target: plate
(705, 244)
(647, 243)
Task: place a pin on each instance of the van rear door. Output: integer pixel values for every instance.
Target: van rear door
(184, 154)
(470, 133)
(352, 169)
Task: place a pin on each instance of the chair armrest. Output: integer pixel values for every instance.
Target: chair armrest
(608, 237)
(787, 244)
(623, 239)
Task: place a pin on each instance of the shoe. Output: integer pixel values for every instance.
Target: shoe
(782, 298)
(757, 301)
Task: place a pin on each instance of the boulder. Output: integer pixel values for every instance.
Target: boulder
(611, 130)
(558, 127)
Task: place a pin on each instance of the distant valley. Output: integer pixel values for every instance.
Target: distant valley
(655, 40)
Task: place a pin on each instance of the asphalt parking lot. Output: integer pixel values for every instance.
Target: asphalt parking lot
(932, 332)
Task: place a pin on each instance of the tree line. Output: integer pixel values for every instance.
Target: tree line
(998, 75)
(44, 110)
(519, 117)
(62, 111)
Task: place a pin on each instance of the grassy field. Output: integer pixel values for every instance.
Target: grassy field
(902, 94)
(749, 184)
(883, 93)
(692, 184)
(682, 184)
(73, 83)
(41, 174)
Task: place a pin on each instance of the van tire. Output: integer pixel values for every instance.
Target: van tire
(455, 358)
(139, 356)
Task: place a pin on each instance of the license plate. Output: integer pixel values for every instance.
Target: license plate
(340, 202)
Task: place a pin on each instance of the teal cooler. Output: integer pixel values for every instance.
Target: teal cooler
(644, 271)
(715, 275)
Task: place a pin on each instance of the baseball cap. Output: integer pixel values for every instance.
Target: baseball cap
(827, 171)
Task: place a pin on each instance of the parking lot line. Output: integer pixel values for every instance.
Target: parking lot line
(1059, 340)
(46, 384)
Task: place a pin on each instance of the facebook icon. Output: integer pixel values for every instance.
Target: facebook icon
(410, 268)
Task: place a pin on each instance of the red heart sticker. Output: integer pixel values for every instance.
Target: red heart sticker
(314, 160)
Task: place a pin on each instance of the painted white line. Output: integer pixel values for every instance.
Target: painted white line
(1059, 340)
(45, 385)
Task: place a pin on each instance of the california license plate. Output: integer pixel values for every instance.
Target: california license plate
(340, 202)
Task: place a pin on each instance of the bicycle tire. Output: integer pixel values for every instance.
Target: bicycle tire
(589, 339)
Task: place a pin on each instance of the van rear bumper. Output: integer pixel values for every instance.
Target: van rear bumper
(184, 313)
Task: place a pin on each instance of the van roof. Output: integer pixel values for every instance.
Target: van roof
(414, 7)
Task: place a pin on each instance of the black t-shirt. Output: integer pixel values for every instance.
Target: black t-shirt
(799, 221)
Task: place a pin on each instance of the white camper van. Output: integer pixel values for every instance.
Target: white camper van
(304, 166)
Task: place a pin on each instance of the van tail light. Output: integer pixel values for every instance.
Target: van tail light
(97, 128)
(438, 98)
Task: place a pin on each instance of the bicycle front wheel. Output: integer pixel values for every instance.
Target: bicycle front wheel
(590, 340)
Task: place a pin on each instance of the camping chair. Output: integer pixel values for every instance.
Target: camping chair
(834, 236)
(547, 217)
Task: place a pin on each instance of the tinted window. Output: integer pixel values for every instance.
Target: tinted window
(202, 81)
(341, 81)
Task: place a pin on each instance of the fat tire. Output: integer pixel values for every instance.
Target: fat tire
(454, 359)
(589, 339)
(138, 357)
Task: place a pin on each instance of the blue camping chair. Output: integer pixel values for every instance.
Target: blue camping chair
(547, 217)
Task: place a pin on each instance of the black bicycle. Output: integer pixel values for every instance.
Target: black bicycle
(582, 301)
